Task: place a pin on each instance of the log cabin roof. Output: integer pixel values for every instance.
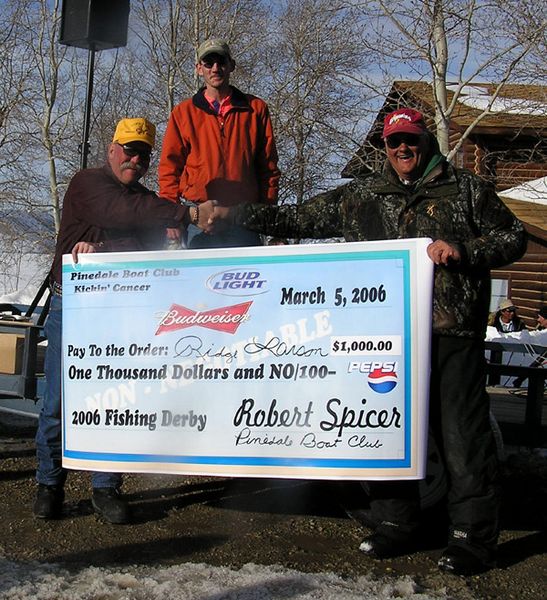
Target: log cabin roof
(517, 106)
(532, 214)
(520, 111)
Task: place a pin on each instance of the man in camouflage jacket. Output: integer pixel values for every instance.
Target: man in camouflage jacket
(419, 194)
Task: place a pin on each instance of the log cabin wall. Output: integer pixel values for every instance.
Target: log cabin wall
(505, 174)
(510, 174)
(527, 277)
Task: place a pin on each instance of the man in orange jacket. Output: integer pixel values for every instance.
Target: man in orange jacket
(219, 145)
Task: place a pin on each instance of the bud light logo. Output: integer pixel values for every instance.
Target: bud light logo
(381, 381)
(237, 282)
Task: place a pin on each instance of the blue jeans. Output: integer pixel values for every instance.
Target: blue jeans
(48, 436)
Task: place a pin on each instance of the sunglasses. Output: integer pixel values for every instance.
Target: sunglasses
(130, 151)
(395, 140)
(209, 61)
(509, 310)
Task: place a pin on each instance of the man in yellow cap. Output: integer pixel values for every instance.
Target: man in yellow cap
(105, 209)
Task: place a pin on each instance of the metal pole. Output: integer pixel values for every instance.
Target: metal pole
(84, 146)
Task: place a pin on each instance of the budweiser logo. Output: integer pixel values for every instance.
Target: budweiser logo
(226, 319)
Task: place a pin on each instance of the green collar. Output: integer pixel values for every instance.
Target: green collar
(435, 160)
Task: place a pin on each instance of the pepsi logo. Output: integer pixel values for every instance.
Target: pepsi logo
(382, 382)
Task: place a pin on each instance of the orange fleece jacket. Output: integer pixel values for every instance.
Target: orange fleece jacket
(231, 159)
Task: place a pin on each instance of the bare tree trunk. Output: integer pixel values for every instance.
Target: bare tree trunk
(439, 63)
(48, 73)
(461, 40)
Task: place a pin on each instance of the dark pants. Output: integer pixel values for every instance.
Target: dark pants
(459, 418)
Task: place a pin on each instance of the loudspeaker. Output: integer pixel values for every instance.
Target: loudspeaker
(98, 24)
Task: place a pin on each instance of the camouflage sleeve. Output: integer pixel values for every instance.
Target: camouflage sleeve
(501, 236)
(320, 217)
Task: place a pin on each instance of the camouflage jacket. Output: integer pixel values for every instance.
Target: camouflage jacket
(449, 204)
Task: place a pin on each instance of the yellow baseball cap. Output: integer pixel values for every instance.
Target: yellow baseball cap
(135, 130)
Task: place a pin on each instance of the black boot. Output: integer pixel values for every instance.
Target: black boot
(460, 560)
(49, 501)
(109, 505)
(381, 546)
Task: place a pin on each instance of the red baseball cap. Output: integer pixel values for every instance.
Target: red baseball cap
(404, 120)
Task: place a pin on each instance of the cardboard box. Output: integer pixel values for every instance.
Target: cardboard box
(11, 353)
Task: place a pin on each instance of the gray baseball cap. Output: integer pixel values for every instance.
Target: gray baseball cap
(214, 46)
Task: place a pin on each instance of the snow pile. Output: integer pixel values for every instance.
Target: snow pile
(195, 582)
(531, 191)
(479, 97)
(21, 276)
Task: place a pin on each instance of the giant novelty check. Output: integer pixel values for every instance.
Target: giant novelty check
(308, 361)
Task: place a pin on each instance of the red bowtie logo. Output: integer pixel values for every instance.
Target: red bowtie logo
(226, 319)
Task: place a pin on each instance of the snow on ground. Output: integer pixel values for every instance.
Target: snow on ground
(34, 581)
(21, 297)
(21, 278)
(24, 296)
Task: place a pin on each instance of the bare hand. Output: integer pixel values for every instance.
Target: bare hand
(83, 248)
(213, 217)
(206, 210)
(441, 253)
(173, 233)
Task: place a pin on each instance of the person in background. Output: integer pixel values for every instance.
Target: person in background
(542, 318)
(219, 145)
(506, 319)
(105, 209)
(420, 194)
(539, 361)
